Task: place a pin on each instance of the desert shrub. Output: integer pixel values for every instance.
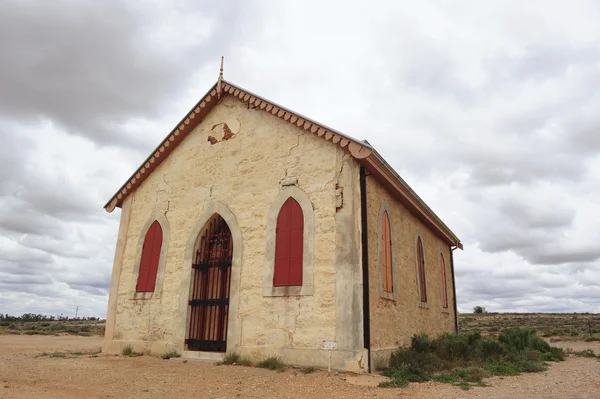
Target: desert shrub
(231, 358)
(410, 374)
(407, 357)
(517, 338)
(394, 384)
(235, 359)
(584, 353)
(308, 370)
(501, 368)
(468, 358)
(491, 348)
(272, 363)
(129, 352)
(446, 378)
(465, 386)
(473, 337)
(530, 366)
(453, 346)
(472, 374)
(169, 355)
(420, 343)
(534, 356)
(554, 354)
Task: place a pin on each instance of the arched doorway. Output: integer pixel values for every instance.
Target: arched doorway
(211, 278)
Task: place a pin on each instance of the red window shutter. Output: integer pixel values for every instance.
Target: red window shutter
(289, 245)
(421, 262)
(386, 253)
(444, 285)
(150, 259)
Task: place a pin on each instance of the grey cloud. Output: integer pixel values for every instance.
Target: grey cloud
(539, 62)
(29, 221)
(92, 66)
(561, 254)
(528, 214)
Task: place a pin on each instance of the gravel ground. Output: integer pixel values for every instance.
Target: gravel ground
(26, 374)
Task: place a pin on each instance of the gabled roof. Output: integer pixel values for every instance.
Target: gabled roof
(361, 150)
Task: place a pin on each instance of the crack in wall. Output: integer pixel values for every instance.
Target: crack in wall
(289, 154)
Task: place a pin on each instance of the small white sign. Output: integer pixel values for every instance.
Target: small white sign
(329, 345)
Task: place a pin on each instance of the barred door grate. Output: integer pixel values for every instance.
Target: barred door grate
(211, 278)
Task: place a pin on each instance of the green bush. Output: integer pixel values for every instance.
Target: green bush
(501, 368)
(529, 366)
(445, 378)
(519, 338)
(410, 374)
(554, 354)
(585, 353)
(453, 346)
(472, 374)
(234, 358)
(394, 384)
(272, 363)
(420, 343)
(169, 355)
(491, 348)
(231, 358)
(470, 357)
(128, 351)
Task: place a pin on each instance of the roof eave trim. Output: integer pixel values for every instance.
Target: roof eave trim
(359, 150)
(113, 202)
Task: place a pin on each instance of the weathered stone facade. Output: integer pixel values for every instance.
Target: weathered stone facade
(242, 161)
(394, 320)
(245, 174)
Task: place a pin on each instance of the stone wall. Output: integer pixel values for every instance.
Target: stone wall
(245, 174)
(395, 320)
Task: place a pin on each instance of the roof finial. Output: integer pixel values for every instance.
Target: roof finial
(220, 79)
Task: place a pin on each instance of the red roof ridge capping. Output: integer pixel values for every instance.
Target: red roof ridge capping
(360, 150)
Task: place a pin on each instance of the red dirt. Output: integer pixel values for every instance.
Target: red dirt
(26, 374)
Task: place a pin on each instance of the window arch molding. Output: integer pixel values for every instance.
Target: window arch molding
(307, 287)
(383, 210)
(419, 239)
(164, 225)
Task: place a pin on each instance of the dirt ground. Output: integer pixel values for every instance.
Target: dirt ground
(26, 374)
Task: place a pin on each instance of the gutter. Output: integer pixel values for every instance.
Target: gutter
(365, 264)
(454, 287)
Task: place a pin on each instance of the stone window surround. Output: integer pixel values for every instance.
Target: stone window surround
(444, 309)
(384, 207)
(307, 287)
(164, 225)
(417, 236)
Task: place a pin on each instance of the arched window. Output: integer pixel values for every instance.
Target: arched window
(444, 285)
(421, 271)
(289, 245)
(386, 254)
(150, 258)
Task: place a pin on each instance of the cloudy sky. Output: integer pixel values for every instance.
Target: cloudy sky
(488, 109)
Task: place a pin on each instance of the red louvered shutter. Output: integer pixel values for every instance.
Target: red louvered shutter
(150, 259)
(386, 243)
(289, 245)
(421, 260)
(444, 285)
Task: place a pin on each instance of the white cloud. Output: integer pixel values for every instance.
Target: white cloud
(489, 110)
